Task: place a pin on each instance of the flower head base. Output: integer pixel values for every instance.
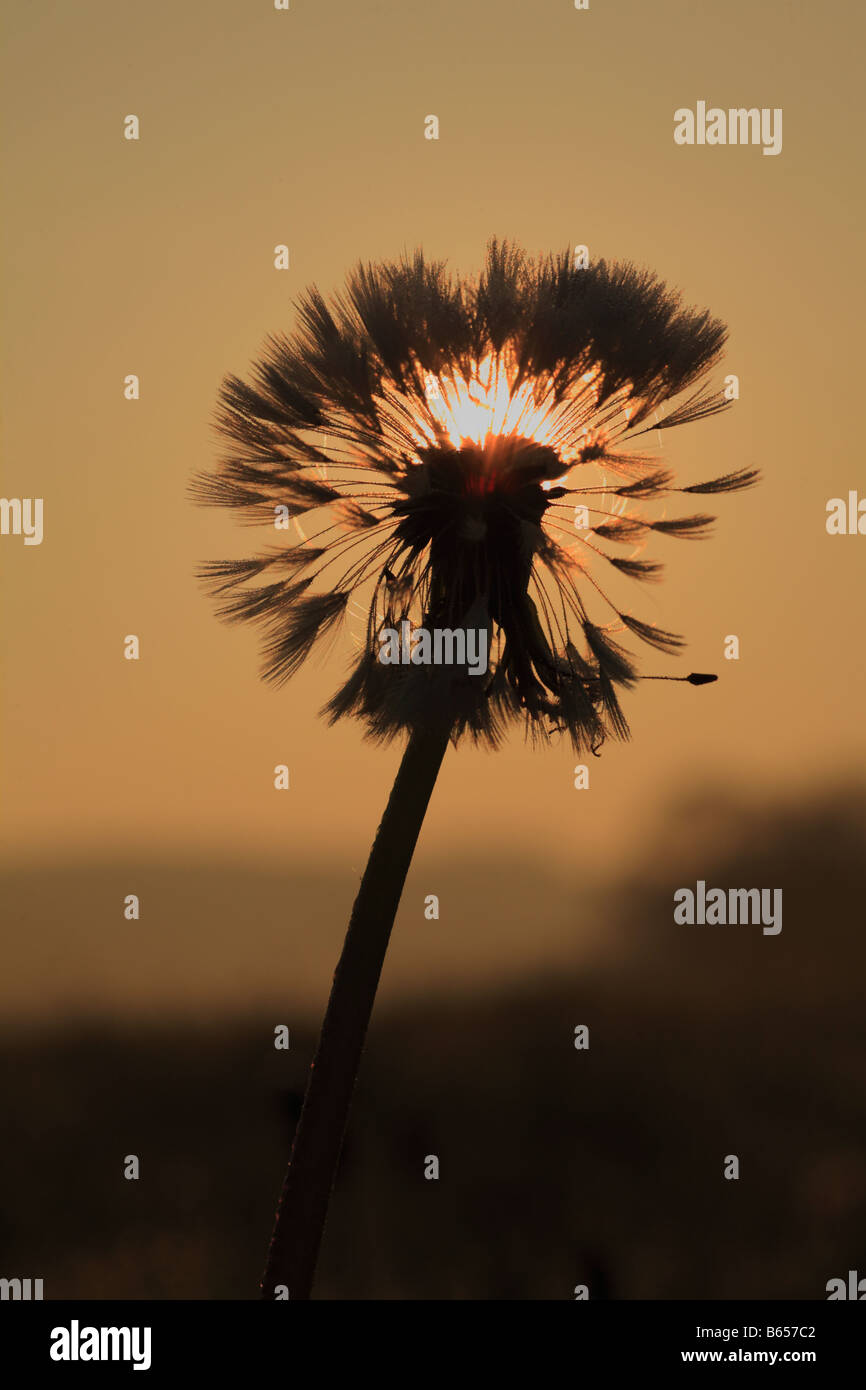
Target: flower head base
(456, 432)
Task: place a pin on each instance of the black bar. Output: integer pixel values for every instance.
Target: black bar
(216, 1340)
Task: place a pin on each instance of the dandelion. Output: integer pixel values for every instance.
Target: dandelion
(478, 454)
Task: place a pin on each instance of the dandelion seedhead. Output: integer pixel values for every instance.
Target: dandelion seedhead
(486, 453)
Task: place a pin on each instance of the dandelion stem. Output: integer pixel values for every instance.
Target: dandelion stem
(315, 1153)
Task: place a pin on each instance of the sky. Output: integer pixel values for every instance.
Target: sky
(306, 127)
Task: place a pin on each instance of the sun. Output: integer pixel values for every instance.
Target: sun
(490, 403)
(485, 406)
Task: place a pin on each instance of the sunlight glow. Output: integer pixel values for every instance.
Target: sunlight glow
(485, 406)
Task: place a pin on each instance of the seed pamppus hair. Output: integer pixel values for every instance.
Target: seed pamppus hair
(448, 427)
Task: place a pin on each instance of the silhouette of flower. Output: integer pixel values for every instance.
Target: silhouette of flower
(456, 430)
(449, 427)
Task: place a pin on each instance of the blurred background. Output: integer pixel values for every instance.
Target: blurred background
(155, 777)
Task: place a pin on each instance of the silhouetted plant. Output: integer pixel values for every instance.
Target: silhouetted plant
(452, 427)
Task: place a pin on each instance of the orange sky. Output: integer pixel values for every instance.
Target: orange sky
(306, 127)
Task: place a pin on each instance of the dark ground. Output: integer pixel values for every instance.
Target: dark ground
(557, 1166)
